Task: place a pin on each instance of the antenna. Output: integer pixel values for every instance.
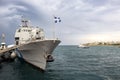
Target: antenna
(24, 22)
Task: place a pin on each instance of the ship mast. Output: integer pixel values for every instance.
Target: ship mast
(24, 22)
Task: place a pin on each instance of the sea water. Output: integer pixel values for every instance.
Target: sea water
(71, 63)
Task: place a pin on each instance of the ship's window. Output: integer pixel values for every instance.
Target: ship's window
(16, 38)
(24, 30)
(29, 30)
(17, 42)
(38, 38)
(19, 30)
(37, 32)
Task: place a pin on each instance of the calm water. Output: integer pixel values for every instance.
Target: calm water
(71, 63)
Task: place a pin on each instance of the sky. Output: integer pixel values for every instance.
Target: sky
(82, 21)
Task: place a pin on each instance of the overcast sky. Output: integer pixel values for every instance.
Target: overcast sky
(82, 20)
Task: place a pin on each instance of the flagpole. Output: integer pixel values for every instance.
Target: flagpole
(56, 20)
(53, 28)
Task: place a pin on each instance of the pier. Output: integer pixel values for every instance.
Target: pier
(8, 54)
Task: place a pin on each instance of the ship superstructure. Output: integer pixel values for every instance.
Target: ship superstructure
(28, 33)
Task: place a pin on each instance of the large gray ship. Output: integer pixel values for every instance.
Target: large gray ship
(34, 48)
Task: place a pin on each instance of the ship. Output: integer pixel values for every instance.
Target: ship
(82, 46)
(34, 48)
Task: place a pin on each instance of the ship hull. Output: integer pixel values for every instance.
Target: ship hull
(36, 52)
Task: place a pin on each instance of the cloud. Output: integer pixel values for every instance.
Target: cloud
(82, 20)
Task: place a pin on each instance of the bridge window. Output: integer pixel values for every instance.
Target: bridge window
(37, 32)
(19, 30)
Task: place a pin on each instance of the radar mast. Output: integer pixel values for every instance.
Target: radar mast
(24, 22)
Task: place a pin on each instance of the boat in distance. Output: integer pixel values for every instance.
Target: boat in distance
(34, 47)
(82, 46)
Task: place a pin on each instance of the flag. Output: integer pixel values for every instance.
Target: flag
(57, 19)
